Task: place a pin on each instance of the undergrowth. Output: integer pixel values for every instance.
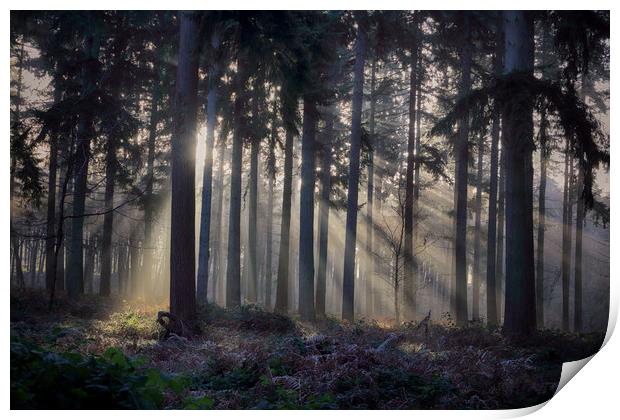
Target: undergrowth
(250, 358)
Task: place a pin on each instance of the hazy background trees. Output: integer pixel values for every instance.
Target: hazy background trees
(349, 164)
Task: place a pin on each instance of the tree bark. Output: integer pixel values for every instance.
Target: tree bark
(567, 219)
(348, 277)
(578, 315)
(579, 222)
(269, 234)
(149, 204)
(285, 227)
(370, 228)
(540, 249)
(306, 212)
(182, 213)
(324, 205)
(233, 267)
(217, 219)
(207, 177)
(462, 158)
(51, 204)
(416, 172)
(409, 288)
(75, 273)
(477, 233)
(492, 318)
(108, 219)
(520, 315)
(252, 221)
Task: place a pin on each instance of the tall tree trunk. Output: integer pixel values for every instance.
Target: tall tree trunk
(476, 274)
(549, 68)
(60, 246)
(207, 177)
(492, 318)
(269, 234)
(416, 172)
(75, 273)
(182, 213)
(51, 204)
(306, 212)
(566, 236)
(370, 228)
(108, 219)
(15, 242)
(252, 250)
(233, 267)
(540, 249)
(578, 319)
(501, 240)
(285, 226)
(462, 160)
(149, 204)
(396, 291)
(579, 222)
(324, 205)
(520, 315)
(377, 307)
(217, 217)
(409, 280)
(348, 275)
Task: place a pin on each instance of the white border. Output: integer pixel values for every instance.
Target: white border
(592, 395)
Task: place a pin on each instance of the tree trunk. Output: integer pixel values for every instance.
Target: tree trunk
(149, 204)
(416, 172)
(520, 318)
(409, 280)
(75, 273)
(567, 219)
(370, 228)
(217, 218)
(207, 177)
(269, 234)
(324, 205)
(285, 227)
(251, 249)
(108, 219)
(501, 240)
(348, 276)
(51, 204)
(396, 292)
(182, 213)
(462, 157)
(32, 266)
(579, 222)
(579, 252)
(89, 264)
(15, 241)
(492, 319)
(477, 233)
(306, 212)
(233, 268)
(377, 307)
(540, 249)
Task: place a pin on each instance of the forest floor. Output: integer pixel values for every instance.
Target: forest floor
(99, 353)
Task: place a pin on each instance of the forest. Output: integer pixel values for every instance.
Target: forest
(306, 209)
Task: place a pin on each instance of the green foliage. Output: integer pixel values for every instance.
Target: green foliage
(42, 379)
(134, 325)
